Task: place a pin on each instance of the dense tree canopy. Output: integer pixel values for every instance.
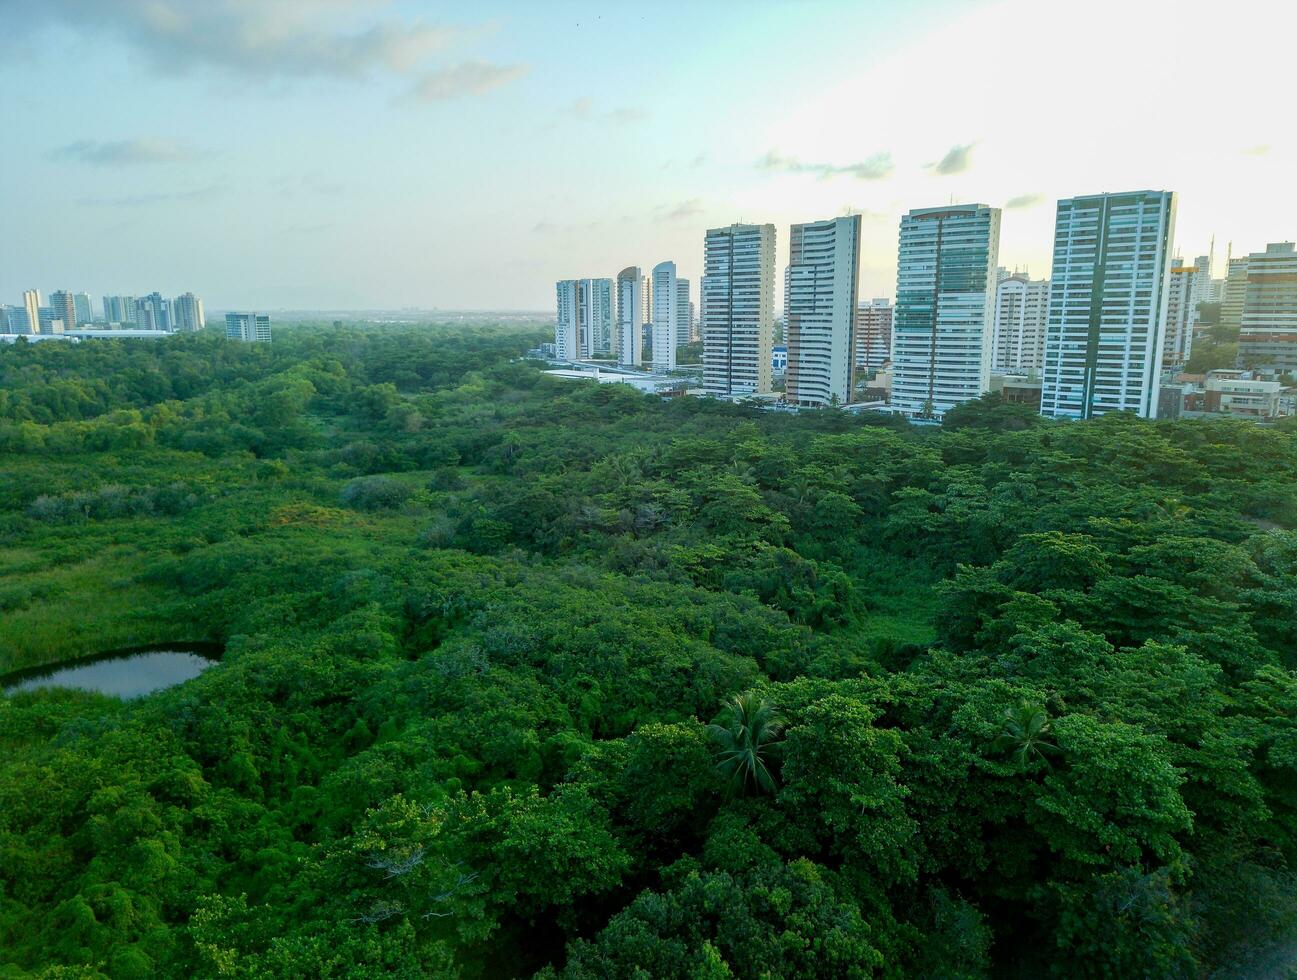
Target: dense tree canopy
(525, 676)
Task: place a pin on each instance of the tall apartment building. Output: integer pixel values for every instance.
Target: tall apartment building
(1267, 337)
(248, 327)
(684, 314)
(1018, 332)
(584, 321)
(873, 333)
(32, 304)
(84, 310)
(738, 303)
(630, 316)
(119, 309)
(666, 316)
(1181, 314)
(945, 306)
(187, 312)
(1107, 304)
(821, 286)
(63, 308)
(152, 312)
(1231, 303)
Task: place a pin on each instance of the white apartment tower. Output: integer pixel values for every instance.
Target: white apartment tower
(738, 303)
(945, 306)
(666, 316)
(684, 314)
(32, 306)
(583, 325)
(630, 317)
(1181, 314)
(874, 333)
(251, 328)
(1018, 334)
(820, 289)
(1107, 304)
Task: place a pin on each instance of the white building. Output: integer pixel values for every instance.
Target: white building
(32, 304)
(666, 315)
(684, 314)
(738, 301)
(1181, 314)
(821, 286)
(874, 333)
(1107, 304)
(583, 325)
(945, 306)
(85, 312)
(187, 312)
(630, 316)
(1021, 315)
(1267, 337)
(119, 309)
(248, 327)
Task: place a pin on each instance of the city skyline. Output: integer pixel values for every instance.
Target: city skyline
(494, 219)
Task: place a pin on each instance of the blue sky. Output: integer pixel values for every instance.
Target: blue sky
(360, 153)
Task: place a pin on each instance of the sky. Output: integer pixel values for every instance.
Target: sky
(363, 154)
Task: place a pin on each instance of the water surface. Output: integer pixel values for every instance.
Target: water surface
(122, 674)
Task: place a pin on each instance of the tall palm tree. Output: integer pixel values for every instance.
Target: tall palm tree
(745, 742)
(1026, 732)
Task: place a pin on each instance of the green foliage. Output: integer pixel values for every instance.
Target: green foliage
(1035, 682)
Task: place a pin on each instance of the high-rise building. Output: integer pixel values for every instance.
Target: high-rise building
(630, 316)
(684, 314)
(64, 308)
(84, 309)
(50, 322)
(1107, 304)
(13, 319)
(32, 304)
(1267, 337)
(119, 309)
(1181, 314)
(152, 312)
(873, 333)
(666, 316)
(187, 312)
(737, 294)
(584, 324)
(1231, 303)
(945, 305)
(821, 285)
(248, 327)
(1021, 315)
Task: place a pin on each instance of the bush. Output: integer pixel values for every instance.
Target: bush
(373, 493)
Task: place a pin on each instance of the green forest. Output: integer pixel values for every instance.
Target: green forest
(530, 677)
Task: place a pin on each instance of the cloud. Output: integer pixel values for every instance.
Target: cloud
(956, 161)
(685, 209)
(1024, 201)
(1257, 151)
(284, 39)
(876, 167)
(583, 110)
(206, 193)
(119, 153)
(466, 78)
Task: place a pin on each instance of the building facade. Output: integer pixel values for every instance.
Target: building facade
(738, 302)
(1231, 304)
(32, 305)
(821, 287)
(630, 317)
(251, 328)
(873, 334)
(1107, 304)
(152, 312)
(187, 311)
(945, 304)
(1181, 315)
(1267, 339)
(584, 321)
(119, 309)
(666, 316)
(84, 309)
(63, 308)
(1018, 331)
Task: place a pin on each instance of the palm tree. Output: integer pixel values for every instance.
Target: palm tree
(745, 742)
(1026, 728)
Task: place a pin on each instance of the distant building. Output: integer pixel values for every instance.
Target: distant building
(1021, 391)
(779, 359)
(821, 286)
(187, 312)
(873, 334)
(945, 305)
(32, 307)
(1181, 316)
(630, 317)
(49, 321)
(119, 309)
(1231, 304)
(84, 309)
(13, 319)
(1021, 316)
(584, 321)
(666, 316)
(64, 308)
(1267, 337)
(1222, 392)
(1107, 304)
(248, 327)
(684, 314)
(738, 300)
(567, 320)
(152, 312)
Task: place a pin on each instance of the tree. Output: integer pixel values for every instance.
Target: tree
(1026, 733)
(745, 741)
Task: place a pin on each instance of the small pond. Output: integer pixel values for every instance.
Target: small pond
(122, 673)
